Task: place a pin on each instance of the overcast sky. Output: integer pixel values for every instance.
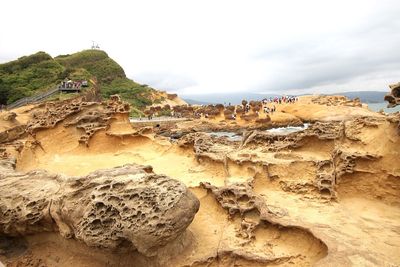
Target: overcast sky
(194, 47)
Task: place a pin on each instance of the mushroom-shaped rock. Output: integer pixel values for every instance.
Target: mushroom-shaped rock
(394, 97)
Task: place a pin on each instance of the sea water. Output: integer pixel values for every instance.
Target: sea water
(279, 130)
(230, 135)
(288, 129)
(378, 106)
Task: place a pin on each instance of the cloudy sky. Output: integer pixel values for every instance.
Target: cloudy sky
(196, 47)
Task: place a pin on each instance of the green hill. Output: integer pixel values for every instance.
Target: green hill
(39, 72)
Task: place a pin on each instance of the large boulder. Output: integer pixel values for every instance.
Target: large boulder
(126, 206)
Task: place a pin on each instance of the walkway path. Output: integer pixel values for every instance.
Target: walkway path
(157, 119)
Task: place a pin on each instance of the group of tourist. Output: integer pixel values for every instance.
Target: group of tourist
(269, 110)
(267, 106)
(280, 100)
(69, 84)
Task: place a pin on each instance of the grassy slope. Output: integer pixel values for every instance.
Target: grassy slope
(39, 72)
(23, 77)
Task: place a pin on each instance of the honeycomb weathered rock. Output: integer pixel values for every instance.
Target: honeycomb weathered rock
(89, 116)
(276, 142)
(126, 206)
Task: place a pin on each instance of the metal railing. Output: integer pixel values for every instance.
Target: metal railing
(32, 99)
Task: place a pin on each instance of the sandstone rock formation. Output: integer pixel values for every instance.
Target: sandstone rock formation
(127, 206)
(394, 97)
(254, 228)
(8, 116)
(326, 194)
(239, 198)
(276, 142)
(11, 129)
(12, 134)
(92, 116)
(337, 101)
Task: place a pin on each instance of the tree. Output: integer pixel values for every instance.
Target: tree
(3, 93)
(18, 93)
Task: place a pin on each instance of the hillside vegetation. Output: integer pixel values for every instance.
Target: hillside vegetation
(39, 72)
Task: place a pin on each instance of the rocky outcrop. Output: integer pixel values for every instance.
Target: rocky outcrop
(275, 142)
(53, 113)
(13, 129)
(8, 116)
(330, 171)
(124, 207)
(89, 117)
(345, 162)
(393, 100)
(12, 134)
(395, 118)
(239, 198)
(207, 146)
(90, 122)
(323, 184)
(337, 101)
(394, 96)
(251, 214)
(353, 128)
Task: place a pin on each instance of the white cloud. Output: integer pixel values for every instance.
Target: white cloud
(197, 47)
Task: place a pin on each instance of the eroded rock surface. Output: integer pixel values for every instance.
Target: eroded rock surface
(394, 96)
(394, 99)
(258, 229)
(337, 101)
(92, 116)
(328, 194)
(119, 207)
(276, 142)
(240, 199)
(12, 134)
